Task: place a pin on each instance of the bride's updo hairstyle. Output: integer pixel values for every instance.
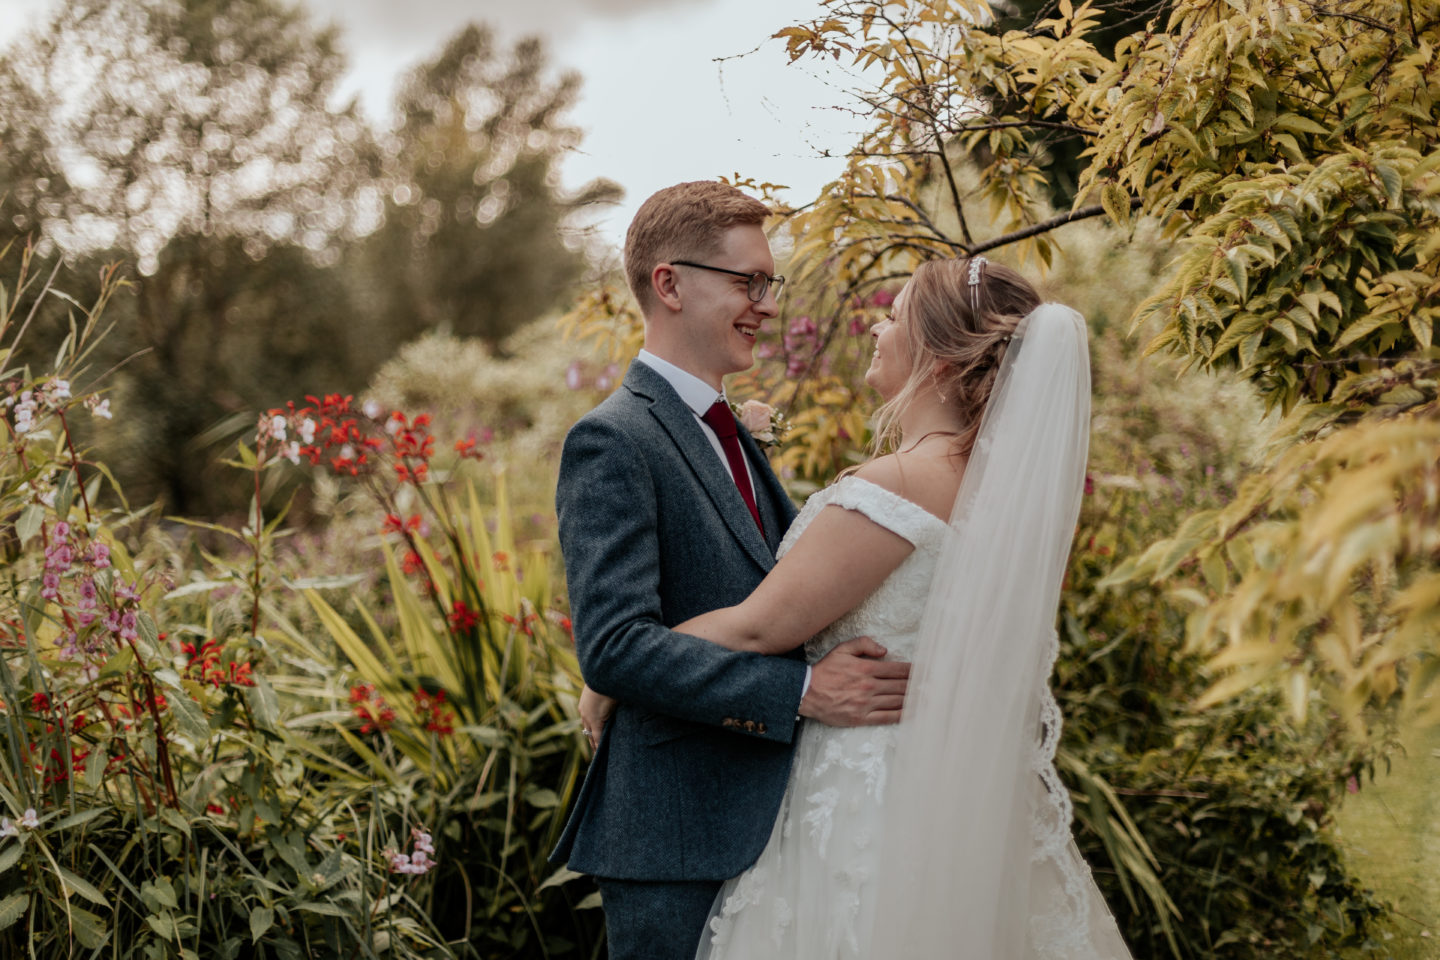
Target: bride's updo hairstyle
(968, 328)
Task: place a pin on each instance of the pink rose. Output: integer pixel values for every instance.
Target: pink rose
(756, 416)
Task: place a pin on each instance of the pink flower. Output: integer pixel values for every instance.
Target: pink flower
(59, 556)
(756, 416)
(98, 408)
(100, 555)
(50, 586)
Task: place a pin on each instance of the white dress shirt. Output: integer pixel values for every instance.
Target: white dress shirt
(699, 396)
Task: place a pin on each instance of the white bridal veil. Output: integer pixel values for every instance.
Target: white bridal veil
(978, 860)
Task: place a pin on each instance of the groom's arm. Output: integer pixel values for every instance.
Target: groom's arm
(608, 515)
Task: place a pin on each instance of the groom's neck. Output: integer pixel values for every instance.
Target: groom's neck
(681, 359)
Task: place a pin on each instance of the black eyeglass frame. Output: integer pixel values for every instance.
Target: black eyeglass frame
(754, 278)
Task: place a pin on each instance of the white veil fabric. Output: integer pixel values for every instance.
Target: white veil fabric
(977, 859)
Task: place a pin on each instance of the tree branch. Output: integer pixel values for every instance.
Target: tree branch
(1045, 226)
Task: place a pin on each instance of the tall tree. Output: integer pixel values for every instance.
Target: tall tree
(487, 238)
(196, 140)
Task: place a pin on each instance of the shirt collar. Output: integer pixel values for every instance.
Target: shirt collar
(698, 395)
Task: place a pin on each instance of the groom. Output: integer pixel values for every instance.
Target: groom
(668, 510)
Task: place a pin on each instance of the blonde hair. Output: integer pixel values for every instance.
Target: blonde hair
(684, 222)
(968, 327)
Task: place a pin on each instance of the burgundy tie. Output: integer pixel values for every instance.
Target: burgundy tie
(722, 421)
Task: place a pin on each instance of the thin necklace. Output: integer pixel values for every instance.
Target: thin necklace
(932, 433)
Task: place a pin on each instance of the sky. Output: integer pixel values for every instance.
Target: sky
(655, 106)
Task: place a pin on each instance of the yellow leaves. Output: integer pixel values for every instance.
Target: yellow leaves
(1116, 203)
(1333, 583)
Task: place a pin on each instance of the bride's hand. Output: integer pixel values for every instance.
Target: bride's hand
(595, 710)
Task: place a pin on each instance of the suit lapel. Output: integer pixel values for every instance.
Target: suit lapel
(776, 509)
(679, 422)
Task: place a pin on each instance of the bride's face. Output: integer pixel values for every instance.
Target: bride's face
(891, 362)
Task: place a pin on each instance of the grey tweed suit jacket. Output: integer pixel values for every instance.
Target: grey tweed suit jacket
(688, 777)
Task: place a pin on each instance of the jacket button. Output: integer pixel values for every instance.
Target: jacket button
(760, 728)
(750, 726)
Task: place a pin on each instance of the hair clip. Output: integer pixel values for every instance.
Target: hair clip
(976, 265)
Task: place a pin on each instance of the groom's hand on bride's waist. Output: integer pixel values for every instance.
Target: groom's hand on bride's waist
(853, 687)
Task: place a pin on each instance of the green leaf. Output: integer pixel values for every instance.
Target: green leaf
(123, 660)
(10, 855)
(84, 816)
(74, 884)
(148, 631)
(560, 876)
(1293, 121)
(89, 929)
(161, 891)
(190, 720)
(263, 703)
(326, 583)
(12, 908)
(199, 586)
(164, 925)
(29, 523)
(542, 799)
(322, 908)
(261, 920)
(65, 493)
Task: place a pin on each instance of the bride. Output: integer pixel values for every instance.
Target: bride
(949, 834)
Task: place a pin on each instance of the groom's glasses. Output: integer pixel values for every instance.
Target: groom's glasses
(759, 281)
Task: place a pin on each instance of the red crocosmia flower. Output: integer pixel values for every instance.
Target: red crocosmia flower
(411, 563)
(39, 700)
(392, 524)
(462, 618)
(375, 715)
(240, 675)
(215, 808)
(431, 708)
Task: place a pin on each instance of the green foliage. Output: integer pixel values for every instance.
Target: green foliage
(186, 772)
(1235, 802)
(277, 239)
(1287, 153)
(156, 803)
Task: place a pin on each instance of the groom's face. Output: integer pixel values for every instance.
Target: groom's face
(720, 321)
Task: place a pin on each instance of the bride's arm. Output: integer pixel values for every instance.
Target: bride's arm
(838, 561)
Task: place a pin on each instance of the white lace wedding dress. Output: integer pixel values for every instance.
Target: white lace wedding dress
(811, 894)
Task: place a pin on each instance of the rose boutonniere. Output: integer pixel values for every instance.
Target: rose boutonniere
(766, 424)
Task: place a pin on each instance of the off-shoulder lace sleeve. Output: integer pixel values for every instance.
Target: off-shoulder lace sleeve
(890, 510)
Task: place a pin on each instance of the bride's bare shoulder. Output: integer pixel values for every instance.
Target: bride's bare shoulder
(930, 481)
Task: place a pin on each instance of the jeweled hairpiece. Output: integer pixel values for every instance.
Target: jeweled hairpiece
(977, 264)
